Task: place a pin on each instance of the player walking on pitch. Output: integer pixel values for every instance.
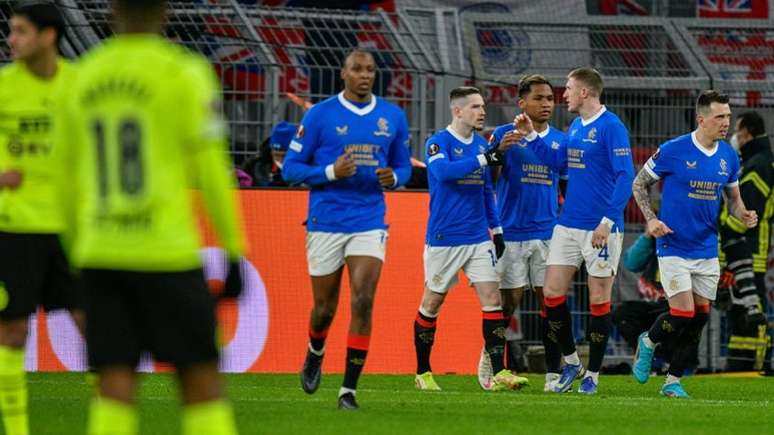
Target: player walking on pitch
(462, 212)
(349, 148)
(697, 168)
(597, 157)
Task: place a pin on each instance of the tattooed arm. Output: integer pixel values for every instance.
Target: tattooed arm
(641, 191)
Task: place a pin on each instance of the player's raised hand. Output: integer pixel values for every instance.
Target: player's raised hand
(750, 218)
(11, 179)
(386, 176)
(656, 228)
(523, 124)
(345, 165)
(599, 236)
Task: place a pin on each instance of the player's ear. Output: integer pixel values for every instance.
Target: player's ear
(48, 37)
(522, 104)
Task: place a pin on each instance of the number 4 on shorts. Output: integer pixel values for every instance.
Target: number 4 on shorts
(603, 253)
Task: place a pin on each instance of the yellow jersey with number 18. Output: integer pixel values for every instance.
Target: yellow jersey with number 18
(136, 131)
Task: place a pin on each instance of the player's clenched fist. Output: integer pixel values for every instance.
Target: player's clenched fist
(386, 176)
(345, 165)
(750, 218)
(656, 228)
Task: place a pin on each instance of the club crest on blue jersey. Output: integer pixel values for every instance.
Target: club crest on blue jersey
(383, 126)
(723, 168)
(592, 136)
(433, 149)
(343, 130)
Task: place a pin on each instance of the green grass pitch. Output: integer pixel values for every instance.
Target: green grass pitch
(275, 404)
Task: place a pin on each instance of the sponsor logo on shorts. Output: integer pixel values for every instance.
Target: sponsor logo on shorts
(437, 280)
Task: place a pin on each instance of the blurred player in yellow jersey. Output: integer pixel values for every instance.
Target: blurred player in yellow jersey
(135, 131)
(33, 268)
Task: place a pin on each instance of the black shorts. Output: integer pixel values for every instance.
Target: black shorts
(169, 314)
(34, 272)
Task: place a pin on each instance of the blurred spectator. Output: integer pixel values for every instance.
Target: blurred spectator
(746, 249)
(265, 168)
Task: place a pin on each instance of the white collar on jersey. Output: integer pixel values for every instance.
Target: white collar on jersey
(705, 151)
(465, 140)
(357, 110)
(545, 132)
(586, 122)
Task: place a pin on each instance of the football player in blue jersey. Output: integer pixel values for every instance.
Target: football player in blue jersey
(348, 148)
(528, 206)
(598, 160)
(462, 213)
(697, 169)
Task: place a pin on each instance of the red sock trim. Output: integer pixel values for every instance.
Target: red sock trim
(542, 313)
(492, 315)
(599, 310)
(681, 313)
(318, 335)
(359, 342)
(702, 308)
(554, 302)
(425, 323)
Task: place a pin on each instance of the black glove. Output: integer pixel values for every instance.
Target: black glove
(499, 243)
(494, 157)
(233, 287)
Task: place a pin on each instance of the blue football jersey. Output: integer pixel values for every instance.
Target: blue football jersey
(377, 135)
(694, 178)
(462, 202)
(527, 189)
(600, 170)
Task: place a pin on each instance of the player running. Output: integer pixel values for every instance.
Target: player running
(348, 148)
(462, 212)
(697, 168)
(136, 129)
(597, 157)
